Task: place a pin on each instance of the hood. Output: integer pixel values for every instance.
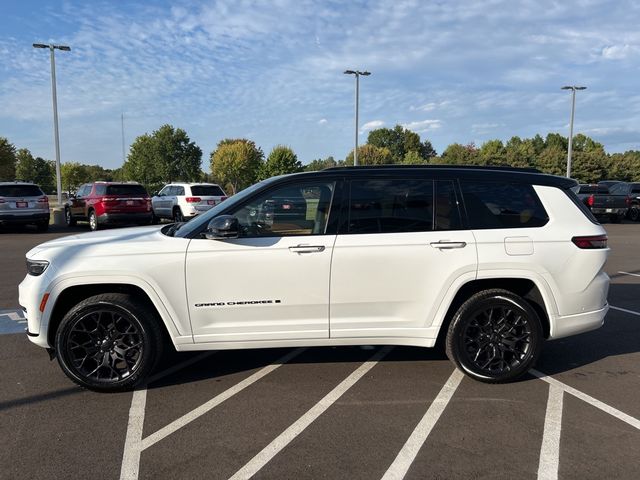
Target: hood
(134, 240)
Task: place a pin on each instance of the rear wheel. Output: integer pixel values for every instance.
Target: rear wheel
(634, 213)
(69, 218)
(109, 342)
(494, 337)
(177, 215)
(93, 221)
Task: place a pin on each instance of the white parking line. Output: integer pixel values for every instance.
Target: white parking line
(625, 310)
(407, 455)
(217, 400)
(550, 449)
(632, 274)
(634, 422)
(286, 437)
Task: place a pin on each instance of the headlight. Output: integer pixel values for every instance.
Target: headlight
(36, 267)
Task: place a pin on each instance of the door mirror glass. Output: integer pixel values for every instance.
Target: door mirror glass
(222, 228)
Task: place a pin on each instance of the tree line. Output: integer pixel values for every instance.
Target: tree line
(168, 155)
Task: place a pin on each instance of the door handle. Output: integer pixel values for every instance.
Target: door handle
(307, 248)
(443, 245)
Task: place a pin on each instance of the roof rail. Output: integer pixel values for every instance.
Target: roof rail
(436, 166)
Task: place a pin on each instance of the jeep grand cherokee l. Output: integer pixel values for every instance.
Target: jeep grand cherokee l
(496, 260)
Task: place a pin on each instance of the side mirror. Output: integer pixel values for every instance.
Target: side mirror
(222, 228)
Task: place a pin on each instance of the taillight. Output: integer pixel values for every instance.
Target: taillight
(193, 199)
(43, 200)
(590, 201)
(627, 202)
(223, 198)
(591, 242)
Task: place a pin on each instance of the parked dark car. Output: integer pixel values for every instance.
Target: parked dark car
(586, 192)
(102, 203)
(622, 199)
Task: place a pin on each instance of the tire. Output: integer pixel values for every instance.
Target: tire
(634, 213)
(42, 226)
(93, 221)
(177, 215)
(475, 322)
(93, 353)
(71, 222)
(154, 220)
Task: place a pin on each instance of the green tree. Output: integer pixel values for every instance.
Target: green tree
(552, 160)
(281, 160)
(7, 160)
(400, 141)
(179, 159)
(141, 164)
(73, 175)
(236, 163)
(492, 152)
(370, 155)
(321, 164)
(413, 158)
(457, 154)
(25, 165)
(555, 140)
(37, 170)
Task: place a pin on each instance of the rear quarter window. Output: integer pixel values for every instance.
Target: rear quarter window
(20, 191)
(502, 205)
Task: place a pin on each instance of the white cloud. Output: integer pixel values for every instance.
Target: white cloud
(428, 107)
(423, 126)
(618, 52)
(371, 125)
(322, 121)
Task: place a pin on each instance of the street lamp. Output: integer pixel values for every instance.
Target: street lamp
(573, 89)
(52, 48)
(357, 74)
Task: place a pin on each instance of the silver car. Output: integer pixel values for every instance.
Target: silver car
(24, 203)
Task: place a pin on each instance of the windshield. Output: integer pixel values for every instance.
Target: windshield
(205, 218)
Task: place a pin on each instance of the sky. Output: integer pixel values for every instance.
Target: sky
(272, 71)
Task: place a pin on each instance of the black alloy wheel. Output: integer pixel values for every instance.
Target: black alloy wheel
(108, 342)
(634, 213)
(177, 215)
(495, 336)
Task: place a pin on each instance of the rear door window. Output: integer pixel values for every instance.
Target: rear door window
(206, 190)
(20, 191)
(390, 206)
(126, 190)
(502, 205)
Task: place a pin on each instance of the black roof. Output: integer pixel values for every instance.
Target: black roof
(463, 172)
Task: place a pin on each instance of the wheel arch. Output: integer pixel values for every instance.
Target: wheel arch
(68, 294)
(527, 288)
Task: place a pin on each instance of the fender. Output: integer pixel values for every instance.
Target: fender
(179, 331)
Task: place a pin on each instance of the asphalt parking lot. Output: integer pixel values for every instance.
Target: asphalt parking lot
(347, 412)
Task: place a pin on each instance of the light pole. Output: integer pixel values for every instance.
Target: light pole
(357, 74)
(573, 89)
(52, 48)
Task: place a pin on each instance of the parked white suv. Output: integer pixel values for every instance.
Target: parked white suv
(180, 201)
(493, 260)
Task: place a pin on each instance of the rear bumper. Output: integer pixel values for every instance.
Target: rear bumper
(125, 217)
(24, 217)
(582, 322)
(609, 211)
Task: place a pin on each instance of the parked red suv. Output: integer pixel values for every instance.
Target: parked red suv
(102, 203)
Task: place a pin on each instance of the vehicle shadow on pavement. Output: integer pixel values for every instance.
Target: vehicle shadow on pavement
(620, 335)
(229, 362)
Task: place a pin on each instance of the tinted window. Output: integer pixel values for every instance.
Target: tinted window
(390, 206)
(290, 210)
(502, 205)
(635, 188)
(20, 191)
(447, 215)
(601, 189)
(207, 190)
(101, 189)
(126, 189)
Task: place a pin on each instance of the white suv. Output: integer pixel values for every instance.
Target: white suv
(491, 260)
(180, 201)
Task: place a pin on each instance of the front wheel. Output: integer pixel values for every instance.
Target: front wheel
(108, 343)
(69, 218)
(495, 337)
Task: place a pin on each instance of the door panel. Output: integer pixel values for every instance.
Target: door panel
(259, 288)
(391, 285)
